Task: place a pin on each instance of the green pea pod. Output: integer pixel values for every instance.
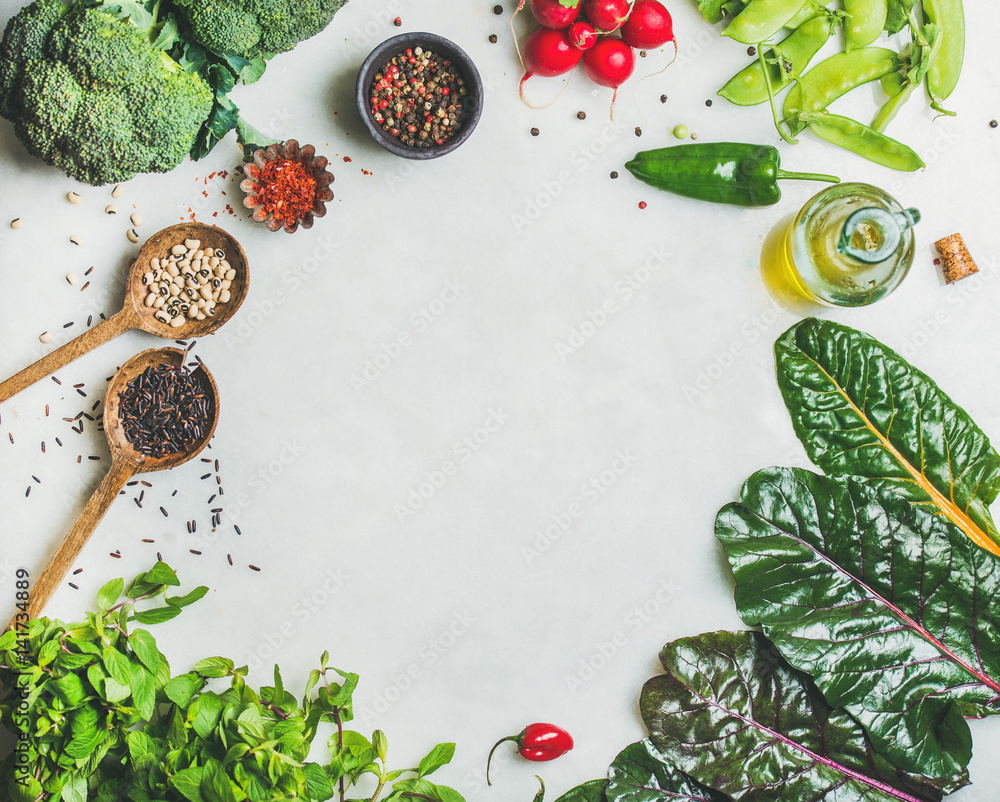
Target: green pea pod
(862, 140)
(834, 77)
(809, 10)
(762, 19)
(737, 173)
(866, 18)
(785, 62)
(942, 77)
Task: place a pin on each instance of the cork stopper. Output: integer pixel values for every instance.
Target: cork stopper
(956, 261)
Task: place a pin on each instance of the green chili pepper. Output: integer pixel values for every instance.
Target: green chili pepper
(866, 18)
(862, 140)
(761, 19)
(720, 172)
(942, 77)
(834, 77)
(785, 62)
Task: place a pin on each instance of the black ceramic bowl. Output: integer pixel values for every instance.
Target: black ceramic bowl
(472, 103)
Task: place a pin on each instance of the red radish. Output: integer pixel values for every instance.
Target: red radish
(554, 14)
(607, 15)
(609, 63)
(582, 35)
(547, 52)
(648, 26)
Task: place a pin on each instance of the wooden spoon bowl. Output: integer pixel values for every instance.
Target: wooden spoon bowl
(158, 247)
(121, 448)
(126, 461)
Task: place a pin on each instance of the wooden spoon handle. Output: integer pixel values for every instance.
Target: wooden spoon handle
(73, 544)
(90, 339)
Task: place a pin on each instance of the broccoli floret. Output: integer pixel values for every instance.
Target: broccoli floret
(90, 94)
(246, 27)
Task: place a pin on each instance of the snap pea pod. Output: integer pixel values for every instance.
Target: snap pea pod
(918, 58)
(785, 62)
(866, 18)
(834, 77)
(862, 140)
(942, 77)
(809, 10)
(762, 19)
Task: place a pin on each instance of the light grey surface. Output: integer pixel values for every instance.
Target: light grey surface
(574, 384)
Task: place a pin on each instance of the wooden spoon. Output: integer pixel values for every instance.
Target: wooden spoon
(136, 315)
(126, 461)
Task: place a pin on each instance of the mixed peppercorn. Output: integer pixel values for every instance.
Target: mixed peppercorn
(417, 97)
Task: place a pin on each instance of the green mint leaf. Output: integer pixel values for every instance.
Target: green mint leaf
(190, 598)
(162, 574)
(74, 789)
(180, 689)
(117, 664)
(215, 784)
(204, 713)
(115, 691)
(142, 750)
(47, 653)
(380, 744)
(143, 690)
(214, 667)
(439, 756)
(8, 640)
(144, 646)
(318, 784)
(69, 689)
(157, 615)
(187, 782)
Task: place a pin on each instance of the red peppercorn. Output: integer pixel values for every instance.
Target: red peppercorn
(536, 742)
(642, 204)
(445, 90)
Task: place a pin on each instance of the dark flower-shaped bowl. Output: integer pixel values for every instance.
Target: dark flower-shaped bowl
(306, 156)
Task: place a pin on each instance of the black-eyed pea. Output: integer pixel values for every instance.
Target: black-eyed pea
(173, 270)
(192, 311)
(191, 244)
(178, 321)
(150, 299)
(224, 296)
(162, 316)
(154, 263)
(226, 284)
(230, 274)
(206, 293)
(178, 250)
(198, 254)
(175, 290)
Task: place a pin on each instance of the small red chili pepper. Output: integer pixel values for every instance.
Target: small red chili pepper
(536, 742)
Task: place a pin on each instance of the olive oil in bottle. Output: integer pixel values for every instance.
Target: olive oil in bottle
(850, 245)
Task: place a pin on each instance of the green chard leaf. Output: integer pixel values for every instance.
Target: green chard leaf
(884, 603)
(862, 410)
(641, 774)
(594, 791)
(733, 715)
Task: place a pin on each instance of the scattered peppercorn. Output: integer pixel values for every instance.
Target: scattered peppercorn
(994, 123)
(397, 22)
(708, 102)
(694, 134)
(417, 97)
(663, 98)
(751, 51)
(638, 131)
(642, 54)
(614, 174)
(642, 204)
(498, 10)
(535, 132)
(493, 38)
(581, 115)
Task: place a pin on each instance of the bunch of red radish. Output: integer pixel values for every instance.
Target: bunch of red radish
(582, 29)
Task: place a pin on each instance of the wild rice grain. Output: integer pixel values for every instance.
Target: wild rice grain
(254, 568)
(165, 513)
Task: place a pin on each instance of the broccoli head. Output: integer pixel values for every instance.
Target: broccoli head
(90, 94)
(246, 27)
